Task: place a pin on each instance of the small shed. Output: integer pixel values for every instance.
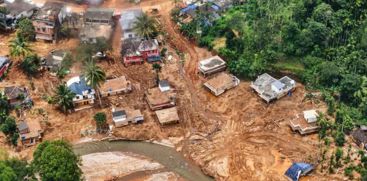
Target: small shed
(164, 85)
(119, 118)
(168, 116)
(310, 116)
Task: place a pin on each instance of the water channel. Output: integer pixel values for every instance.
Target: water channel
(164, 155)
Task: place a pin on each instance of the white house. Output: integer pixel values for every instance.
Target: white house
(310, 116)
(119, 117)
(84, 95)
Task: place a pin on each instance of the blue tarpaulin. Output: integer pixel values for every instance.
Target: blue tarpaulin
(297, 170)
(154, 58)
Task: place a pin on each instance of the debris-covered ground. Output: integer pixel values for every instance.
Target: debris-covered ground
(235, 136)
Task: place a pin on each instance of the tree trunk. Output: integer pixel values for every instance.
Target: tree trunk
(99, 97)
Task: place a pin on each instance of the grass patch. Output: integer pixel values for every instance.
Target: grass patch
(292, 65)
(219, 43)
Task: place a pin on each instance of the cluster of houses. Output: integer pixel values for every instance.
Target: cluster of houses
(136, 49)
(30, 129)
(211, 9)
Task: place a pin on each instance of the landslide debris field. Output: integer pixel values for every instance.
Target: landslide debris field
(235, 136)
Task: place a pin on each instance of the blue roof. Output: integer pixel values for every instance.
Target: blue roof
(80, 87)
(188, 8)
(297, 170)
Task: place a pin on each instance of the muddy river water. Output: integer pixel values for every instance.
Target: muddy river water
(166, 156)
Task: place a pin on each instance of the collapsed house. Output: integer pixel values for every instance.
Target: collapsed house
(136, 51)
(307, 124)
(53, 61)
(18, 96)
(99, 16)
(271, 89)
(98, 23)
(159, 100)
(84, 94)
(221, 83)
(359, 136)
(4, 65)
(129, 52)
(149, 50)
(47, 21)
(115, 86)
(212, 65)
(123, 117)
(30, 131)
(167, 116)
(17, 9)
(127, 21)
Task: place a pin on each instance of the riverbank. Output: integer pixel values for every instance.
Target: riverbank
(121, 158)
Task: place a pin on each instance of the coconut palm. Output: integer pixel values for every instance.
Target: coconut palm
(64, 97)
(30, 65)
(19, 47)
(145, 26)
(157, 67)
(94, 75)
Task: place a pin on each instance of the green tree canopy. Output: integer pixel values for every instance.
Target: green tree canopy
(55, 160)
(7, 173)
(26, 29)
(31, 64)
(19, 47)
(145, 26)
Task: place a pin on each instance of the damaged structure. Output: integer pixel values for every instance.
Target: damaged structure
(307, 124)
(53, 61)
(47, 21)
(115, 86)
(167, 116)
(98, 23)
(123, 117)
(159, 100)
(271, 89)
(18, 96)
(222, 82)
(359, 136)
(127, 21)
(212, 65)
(129, 52)
(30, 131)
(4, 65)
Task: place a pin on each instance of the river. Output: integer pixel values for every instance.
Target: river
(166, 156)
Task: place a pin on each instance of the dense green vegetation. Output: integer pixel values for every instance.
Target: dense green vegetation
(55, 160)
(323, 42)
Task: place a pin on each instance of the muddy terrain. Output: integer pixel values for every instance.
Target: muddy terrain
(235, 136)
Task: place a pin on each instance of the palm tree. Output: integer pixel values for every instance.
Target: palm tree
(30, 65)
(145, 26)
(157, 67)
(94, 75)
(64, 97)
(19, 47)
